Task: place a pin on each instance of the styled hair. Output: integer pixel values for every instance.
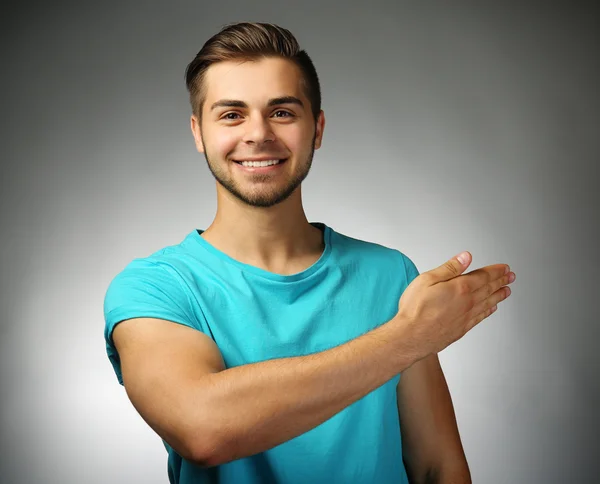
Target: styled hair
(250, 41)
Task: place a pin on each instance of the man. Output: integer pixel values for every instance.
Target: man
(270, 349)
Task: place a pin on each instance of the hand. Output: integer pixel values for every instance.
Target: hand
(440, 306)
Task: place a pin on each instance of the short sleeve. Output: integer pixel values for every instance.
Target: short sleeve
(411, 269)
(143, 289)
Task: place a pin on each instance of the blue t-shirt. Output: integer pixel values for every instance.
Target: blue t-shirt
(255, 315)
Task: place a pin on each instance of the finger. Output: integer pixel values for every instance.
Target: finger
(484, 306)
(491, 287)
(475, 320)
(451, 268)
(479, 277)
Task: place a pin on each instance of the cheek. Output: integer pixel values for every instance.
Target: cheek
(222, 141)
(296, 139)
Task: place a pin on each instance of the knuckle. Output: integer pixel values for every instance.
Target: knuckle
(463, 287)
(452, 268)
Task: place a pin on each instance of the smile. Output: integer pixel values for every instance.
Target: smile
(258, 163)
(260, 166)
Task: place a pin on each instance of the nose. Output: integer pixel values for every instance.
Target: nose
(258, 131)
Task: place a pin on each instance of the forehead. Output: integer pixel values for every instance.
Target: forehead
(252, 81)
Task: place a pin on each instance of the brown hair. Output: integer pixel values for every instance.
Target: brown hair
(250, 41)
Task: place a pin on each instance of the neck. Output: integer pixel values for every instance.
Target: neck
(278, 238)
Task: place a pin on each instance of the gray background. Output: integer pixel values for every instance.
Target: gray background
(450, 126)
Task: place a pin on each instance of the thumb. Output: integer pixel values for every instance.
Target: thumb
(452, 268)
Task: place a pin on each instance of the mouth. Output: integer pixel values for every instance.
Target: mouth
(260, 166)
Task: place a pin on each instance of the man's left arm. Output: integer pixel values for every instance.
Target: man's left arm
(431, 447)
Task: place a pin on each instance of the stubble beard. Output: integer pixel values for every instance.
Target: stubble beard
(263, 197)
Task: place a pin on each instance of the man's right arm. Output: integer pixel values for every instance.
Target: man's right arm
(176, 379)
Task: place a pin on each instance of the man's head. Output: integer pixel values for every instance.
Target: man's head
(255, 95)
(250, 42)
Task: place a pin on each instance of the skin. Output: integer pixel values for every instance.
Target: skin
(431, 447)
(260, 219)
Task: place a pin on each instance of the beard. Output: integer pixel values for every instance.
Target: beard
(262, 194)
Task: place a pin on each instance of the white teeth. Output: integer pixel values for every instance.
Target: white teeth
(255, 164)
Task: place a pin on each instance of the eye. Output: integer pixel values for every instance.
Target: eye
(230, 116)
(282, 114)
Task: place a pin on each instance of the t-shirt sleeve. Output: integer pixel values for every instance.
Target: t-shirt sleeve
(144, 289)
(411, 269)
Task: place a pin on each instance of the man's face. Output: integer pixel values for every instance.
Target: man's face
(257, 110)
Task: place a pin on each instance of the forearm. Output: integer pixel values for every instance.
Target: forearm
(453, 471)
(454, 476)
(255, 407)
(450, 473)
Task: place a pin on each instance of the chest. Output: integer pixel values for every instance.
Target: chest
(252, 320)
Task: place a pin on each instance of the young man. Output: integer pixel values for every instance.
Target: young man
(270, 349)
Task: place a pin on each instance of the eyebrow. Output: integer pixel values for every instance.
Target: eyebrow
(232, 103)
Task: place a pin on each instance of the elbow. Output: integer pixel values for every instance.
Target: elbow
(202, 458)
(211, 441)
(204, 461)
(204, 453)
(211, 451)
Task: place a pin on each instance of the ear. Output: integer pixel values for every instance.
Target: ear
(319, 130)
(196, 131)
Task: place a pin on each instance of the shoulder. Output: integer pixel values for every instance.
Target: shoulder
(374, 252)
(151, 277)
(161, 262)
(149, 287)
